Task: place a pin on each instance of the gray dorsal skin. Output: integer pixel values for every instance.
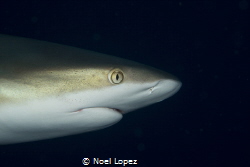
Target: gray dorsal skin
(49, 90)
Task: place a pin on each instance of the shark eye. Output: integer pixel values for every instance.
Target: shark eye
(115, 76)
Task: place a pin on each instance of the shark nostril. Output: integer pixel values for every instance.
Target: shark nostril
(151, 89)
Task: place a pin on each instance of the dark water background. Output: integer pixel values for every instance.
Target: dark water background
(204, 43)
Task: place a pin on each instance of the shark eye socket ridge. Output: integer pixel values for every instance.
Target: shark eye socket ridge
(116, 76)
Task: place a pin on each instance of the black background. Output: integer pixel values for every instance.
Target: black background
(204, 43)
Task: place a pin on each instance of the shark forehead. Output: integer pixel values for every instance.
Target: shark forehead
(50, 90)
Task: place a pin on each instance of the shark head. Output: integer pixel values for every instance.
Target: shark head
(127, 88)
(50, 90)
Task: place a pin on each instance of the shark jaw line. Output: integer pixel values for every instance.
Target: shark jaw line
(115, 109)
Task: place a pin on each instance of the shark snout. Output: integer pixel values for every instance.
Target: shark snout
(164, 89)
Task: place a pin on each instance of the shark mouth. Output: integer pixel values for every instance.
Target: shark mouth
(115, 109)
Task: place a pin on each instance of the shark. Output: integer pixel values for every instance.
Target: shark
(49, 90)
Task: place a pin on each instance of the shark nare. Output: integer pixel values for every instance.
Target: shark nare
(49, 90)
